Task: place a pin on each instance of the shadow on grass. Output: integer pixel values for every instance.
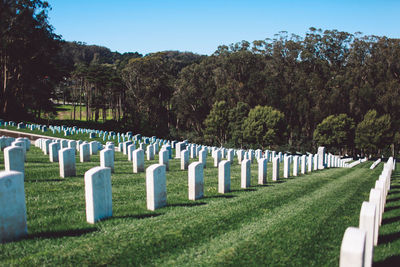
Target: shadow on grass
(390, 220)
(221, 196)
(193, 204)
(392, 208)
(394, 186)
(393, 192)
(244, 190)
(393, 199)
(388, 238)
(44, 180)
(60, 234)
(262, 185)
(391, 261)
(137, 216)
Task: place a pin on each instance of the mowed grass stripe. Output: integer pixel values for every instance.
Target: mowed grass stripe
(288, 235)
(136, 236)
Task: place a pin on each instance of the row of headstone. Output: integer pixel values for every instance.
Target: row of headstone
(375, 164)
(358, 243)
(15, 153)
(63, 152)
(194, 149)
(355, 163)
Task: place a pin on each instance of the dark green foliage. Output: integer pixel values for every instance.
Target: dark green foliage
(171, 93)
(335, 132)
(373, 132)
(29, 66)
(264, 126)
(237, 116)
(216, 124)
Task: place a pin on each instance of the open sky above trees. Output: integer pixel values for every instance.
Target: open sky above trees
(201, 26)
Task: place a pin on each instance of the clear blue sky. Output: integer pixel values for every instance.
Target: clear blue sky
(201, 26)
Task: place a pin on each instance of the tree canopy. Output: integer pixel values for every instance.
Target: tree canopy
(183, 95)
(335, 132)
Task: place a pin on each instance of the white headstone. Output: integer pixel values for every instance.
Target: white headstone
(275, 169)
(156, 187)
(310, 163)
(240, 155)
(367, 223)
(129, 151)
(375, 198)
(192, 152)
(66, 162)
(203, 157)
(245, 173)
(321, 158)
(163, 157)
(107, 159)
(72, 144)
(295, 165)
(98, 194)
(84, 152)
(14, 159)
(286, 166)
(138, 160)
(178, 149)
(12, 206)
(315, 163)
(196, 181)
(150, 152)
(303, 164)
(46, 148)
(352, 250)
(93, 148)
(53, 149)
(184, 159)
(231, 155)
(262, 171)
(224, 177)
(64, 144)
(217, 155)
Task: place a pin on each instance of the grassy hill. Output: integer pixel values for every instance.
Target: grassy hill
(293, 222)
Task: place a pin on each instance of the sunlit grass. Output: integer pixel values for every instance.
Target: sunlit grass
(293, 222)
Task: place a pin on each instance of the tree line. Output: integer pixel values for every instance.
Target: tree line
(289, 92)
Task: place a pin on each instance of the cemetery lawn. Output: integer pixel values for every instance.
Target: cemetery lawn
(78, 136)
(294, 222)
(65, 112)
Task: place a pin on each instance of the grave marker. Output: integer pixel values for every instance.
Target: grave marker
(107, 159)
(262, 171)
(66, 158)
(12, 206)
(98, 194)
(184, 159)
(224, 177)
(156, 188)
(245, 173)
(84, 152)
(196, 181)
(138, 160)
(53, 149)
(352, 250)
(14, 159)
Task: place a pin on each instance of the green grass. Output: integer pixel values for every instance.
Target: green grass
(79, 136)
(65, 112)
(293, 222)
